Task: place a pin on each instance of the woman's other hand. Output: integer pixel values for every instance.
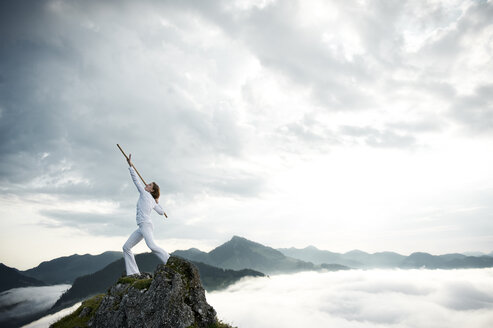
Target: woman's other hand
(129, 160)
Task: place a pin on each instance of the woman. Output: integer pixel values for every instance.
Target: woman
(148, 200)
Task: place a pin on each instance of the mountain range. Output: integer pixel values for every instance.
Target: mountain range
(64, 270)
(240, 253)
(237, 258)
(12, 278)
(362, 260)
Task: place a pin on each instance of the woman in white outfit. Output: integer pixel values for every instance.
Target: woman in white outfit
(148, 200)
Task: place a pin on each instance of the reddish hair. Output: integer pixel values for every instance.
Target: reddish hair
(155, 191)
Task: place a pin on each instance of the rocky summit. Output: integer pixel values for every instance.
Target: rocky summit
(171, 298)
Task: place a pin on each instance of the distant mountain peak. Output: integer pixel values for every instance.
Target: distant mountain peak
(238, 238)
(12, 278)
(195, 250)
(356, 251)
(241, 253)
(416, 254)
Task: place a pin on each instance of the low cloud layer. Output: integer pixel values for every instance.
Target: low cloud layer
(52, 318)
(356, 298)
(19, 302)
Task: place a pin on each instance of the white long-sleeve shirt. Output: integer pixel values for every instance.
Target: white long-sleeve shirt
(146, 202)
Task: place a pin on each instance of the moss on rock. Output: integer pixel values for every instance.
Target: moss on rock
(217, 324)
(81, 316)
(127, 280)
(142, 283)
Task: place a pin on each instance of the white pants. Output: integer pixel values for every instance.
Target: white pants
(146, 231)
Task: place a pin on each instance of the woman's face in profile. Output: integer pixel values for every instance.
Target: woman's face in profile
(149, 187)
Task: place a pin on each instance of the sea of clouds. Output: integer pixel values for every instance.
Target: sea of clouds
(359, 298)
(46, 321)
(355, 298)
(20, 302)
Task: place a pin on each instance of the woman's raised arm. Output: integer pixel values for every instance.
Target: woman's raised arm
(133, 174)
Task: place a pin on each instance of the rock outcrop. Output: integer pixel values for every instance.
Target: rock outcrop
(171, 298)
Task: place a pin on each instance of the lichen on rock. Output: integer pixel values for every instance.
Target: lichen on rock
(171, 298)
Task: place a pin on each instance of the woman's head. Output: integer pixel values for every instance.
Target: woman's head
(153, 188)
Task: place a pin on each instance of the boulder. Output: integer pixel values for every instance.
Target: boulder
(173, 297)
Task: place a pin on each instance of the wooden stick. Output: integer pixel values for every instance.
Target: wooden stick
(132, 164)
(135, 170)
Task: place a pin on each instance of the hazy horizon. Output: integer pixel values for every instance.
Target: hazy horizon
(143, 249)
(340, 124)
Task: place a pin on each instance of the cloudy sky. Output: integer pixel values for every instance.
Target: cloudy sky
(340, 124)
